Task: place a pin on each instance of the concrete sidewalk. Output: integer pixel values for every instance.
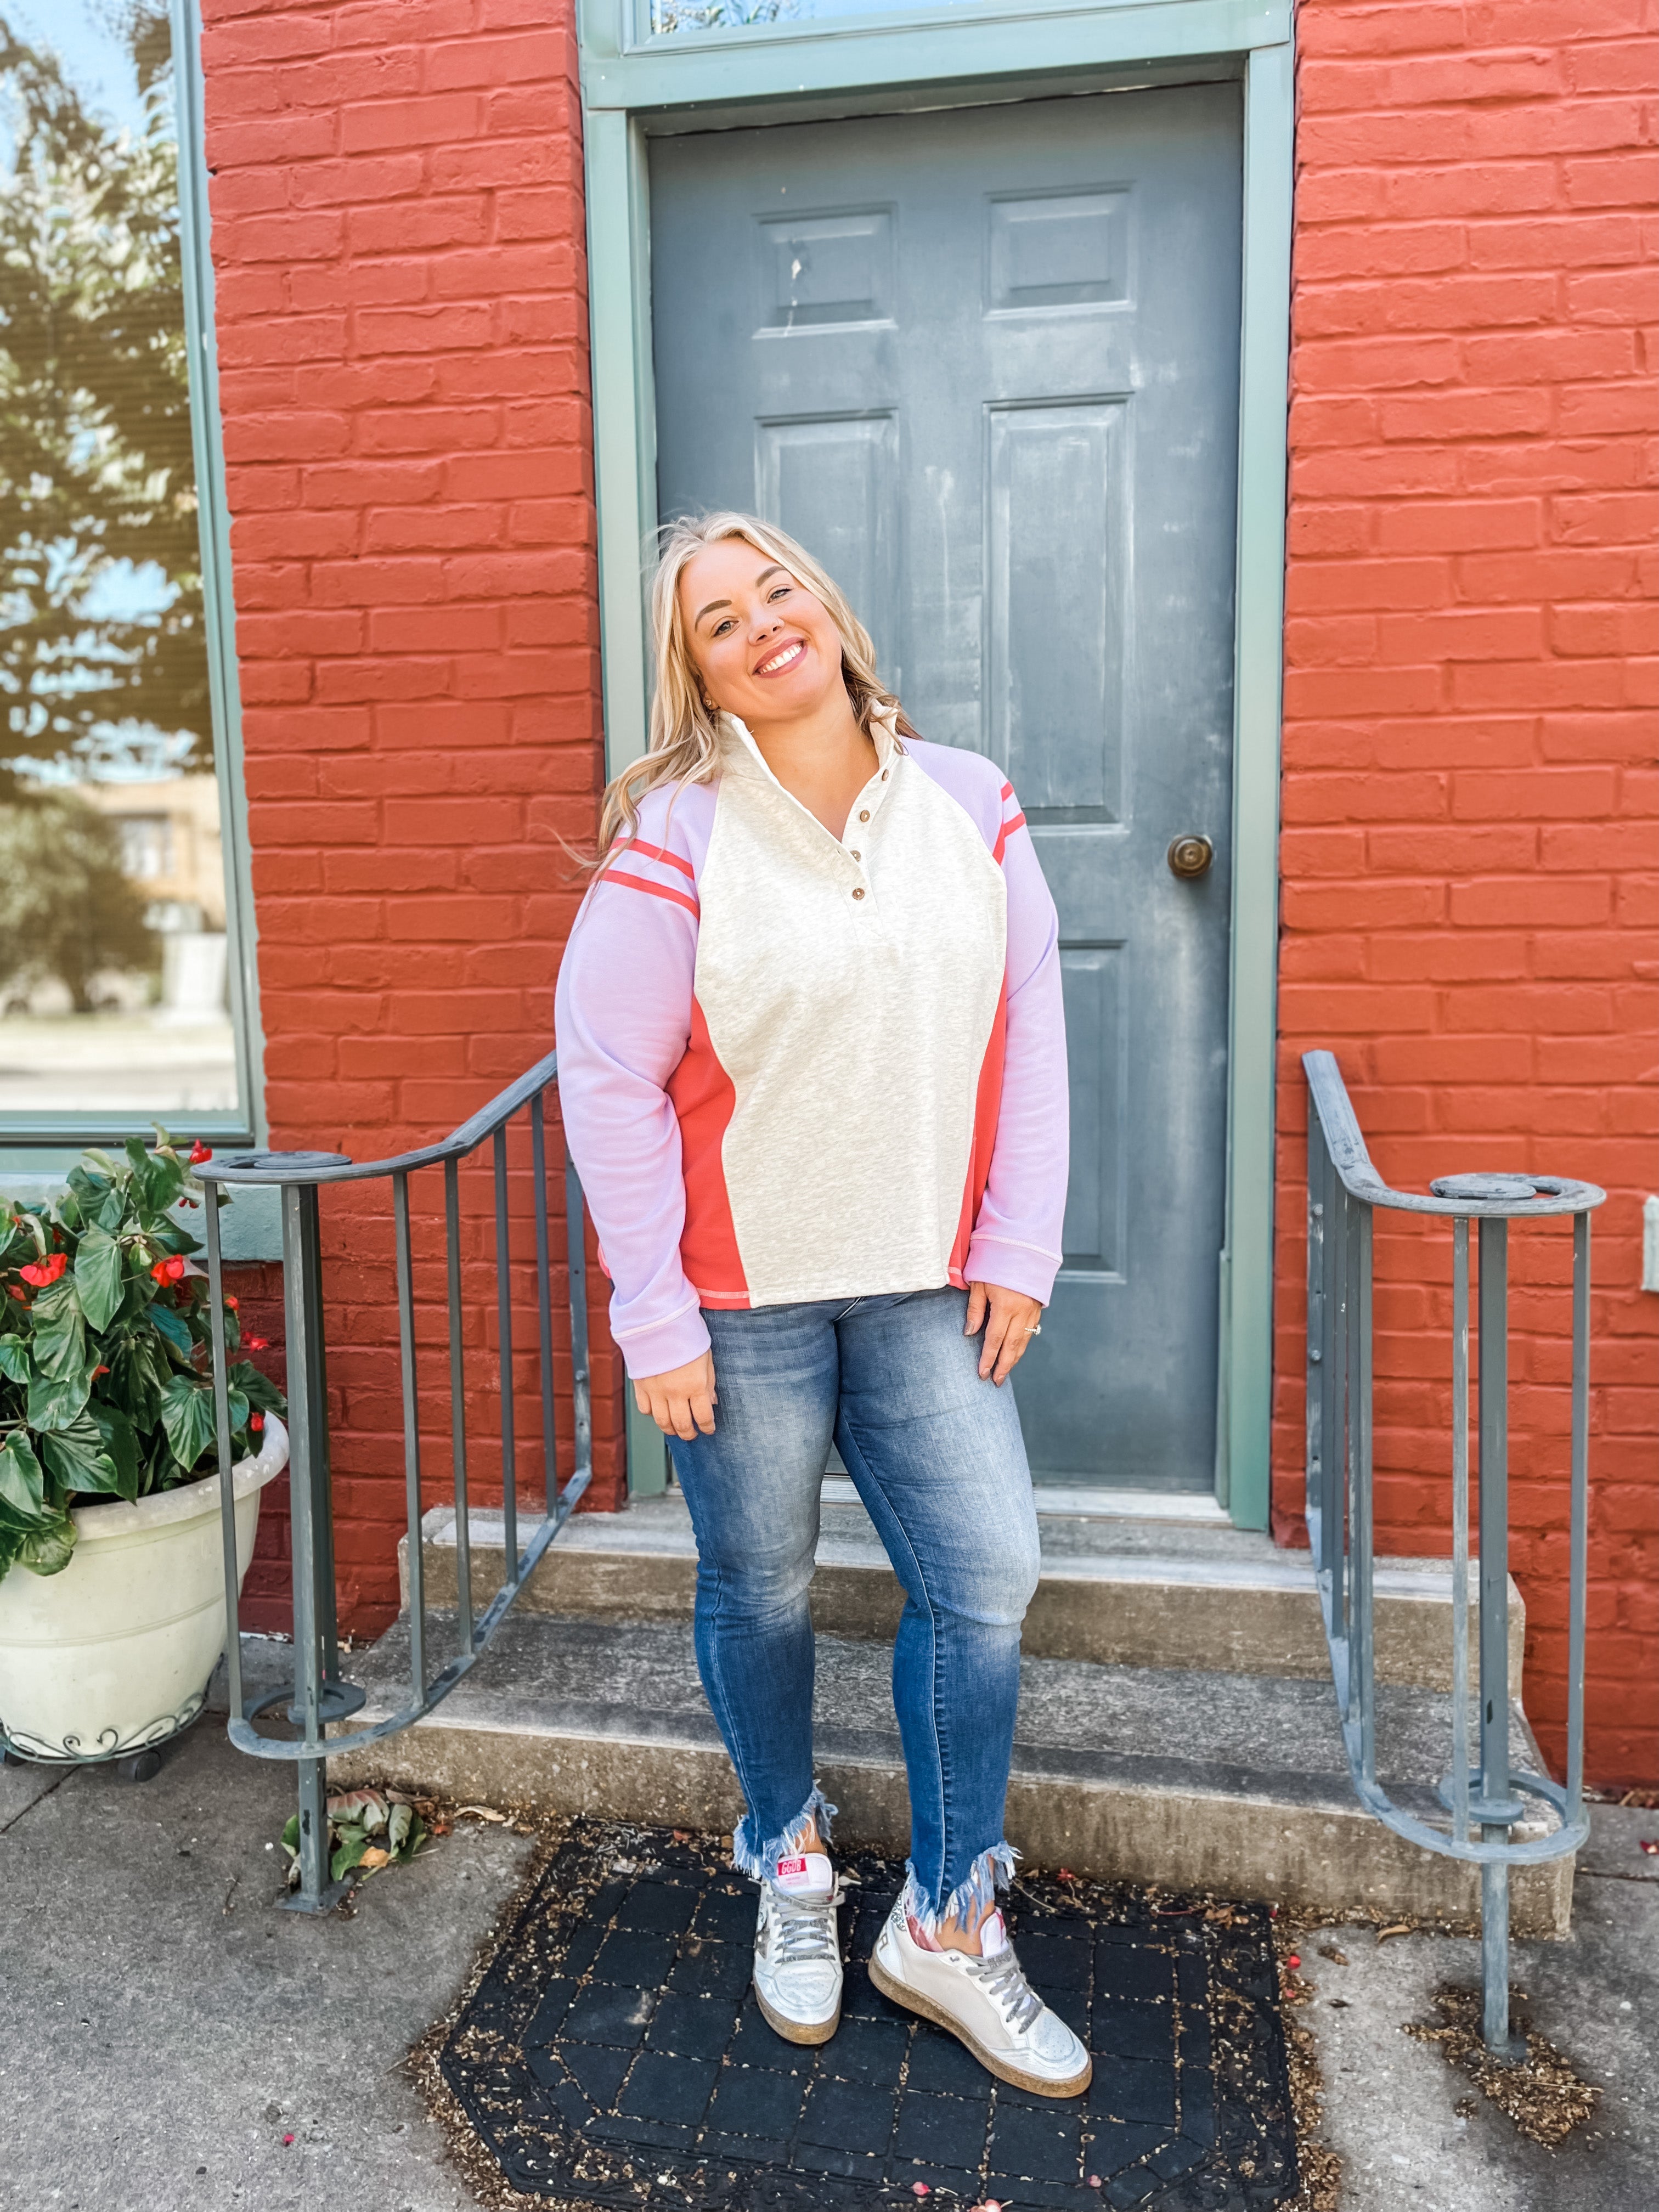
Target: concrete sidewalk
(1390, 2102)
(163, 2027)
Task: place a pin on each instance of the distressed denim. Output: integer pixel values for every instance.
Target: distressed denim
(939, 1462)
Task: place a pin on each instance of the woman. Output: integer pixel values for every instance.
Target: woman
(812, 1065)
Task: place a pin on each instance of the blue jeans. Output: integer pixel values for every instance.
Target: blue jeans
(940, 1465)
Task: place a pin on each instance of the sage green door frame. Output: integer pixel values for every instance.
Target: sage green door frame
(636, 86)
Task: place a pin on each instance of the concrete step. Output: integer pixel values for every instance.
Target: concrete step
(1196, 1779)
(1146, 1591)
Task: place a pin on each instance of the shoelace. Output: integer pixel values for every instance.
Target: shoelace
(1000, 1978)
(806, 1927)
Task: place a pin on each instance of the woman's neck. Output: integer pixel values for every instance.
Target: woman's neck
(823, 759)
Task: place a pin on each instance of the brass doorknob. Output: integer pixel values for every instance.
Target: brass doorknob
(1189, 857)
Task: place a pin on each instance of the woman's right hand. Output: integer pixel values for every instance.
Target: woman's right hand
(683, 1401)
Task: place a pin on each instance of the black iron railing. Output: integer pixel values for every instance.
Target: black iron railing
(321, 1696)
(1343, 1190)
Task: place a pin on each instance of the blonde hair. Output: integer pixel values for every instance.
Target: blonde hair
(684, 740)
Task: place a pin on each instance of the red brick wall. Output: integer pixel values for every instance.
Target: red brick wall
(1469, 851)
(398, 254)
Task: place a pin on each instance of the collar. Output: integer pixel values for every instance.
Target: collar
(740, 755)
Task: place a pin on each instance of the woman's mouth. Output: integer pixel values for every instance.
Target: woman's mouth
(781, 659)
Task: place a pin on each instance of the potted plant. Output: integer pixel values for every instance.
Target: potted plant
(111, 1570)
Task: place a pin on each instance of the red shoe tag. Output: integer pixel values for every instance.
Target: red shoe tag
(808, 1873)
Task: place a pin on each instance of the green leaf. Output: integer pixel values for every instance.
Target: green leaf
(187, 1417)
(60, 1334)
(57, 1402)
(22, 1486)
(98, 1277)
(291, 1833)
(76, 1456)
(15, 1358)
(353, 1844)
(139, 1369)
(120, 1445)
(259, 1390)
(171, 1326)
(48, 1550)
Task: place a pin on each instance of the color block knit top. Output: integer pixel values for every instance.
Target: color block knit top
(793, 1066)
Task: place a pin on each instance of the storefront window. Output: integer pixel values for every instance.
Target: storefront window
(115, 998)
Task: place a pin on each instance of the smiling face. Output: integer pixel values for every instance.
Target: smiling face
(764, 647)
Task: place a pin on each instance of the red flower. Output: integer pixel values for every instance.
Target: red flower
(199, 1153)
(42, 1272)
(21, 1297)
(256, 1344)
(97, 1372)
(235, 1304)
(256, 1422)
(166, 1271)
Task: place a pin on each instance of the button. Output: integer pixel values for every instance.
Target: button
(864, 814)
(858, 894)
(857, 855)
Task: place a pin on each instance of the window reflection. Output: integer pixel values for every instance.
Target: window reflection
(668, 17)
(112, 911)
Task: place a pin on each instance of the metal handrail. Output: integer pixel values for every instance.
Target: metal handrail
(321, 1696)
(1344, 1189)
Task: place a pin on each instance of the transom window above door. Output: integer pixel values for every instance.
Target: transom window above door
(678, 18)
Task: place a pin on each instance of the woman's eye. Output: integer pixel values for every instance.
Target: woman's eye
(781, 592)
(722, 628)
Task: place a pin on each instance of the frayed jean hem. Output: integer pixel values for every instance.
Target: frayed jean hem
(970, 1899)
(760, 1860)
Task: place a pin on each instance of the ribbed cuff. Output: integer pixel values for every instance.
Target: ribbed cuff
(1011, 1267)
(666, 1344)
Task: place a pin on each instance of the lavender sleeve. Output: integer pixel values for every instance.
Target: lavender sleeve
(1017, 1237)
(622, 1016)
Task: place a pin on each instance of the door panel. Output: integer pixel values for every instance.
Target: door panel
(984, 362)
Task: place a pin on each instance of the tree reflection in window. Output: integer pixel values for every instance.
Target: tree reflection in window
(113, 967)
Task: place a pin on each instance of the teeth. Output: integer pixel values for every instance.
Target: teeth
(778, 659)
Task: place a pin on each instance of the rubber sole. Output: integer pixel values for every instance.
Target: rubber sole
(792, 2031)
(914, 2001)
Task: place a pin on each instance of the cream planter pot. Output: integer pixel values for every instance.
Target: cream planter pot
(117, 1651)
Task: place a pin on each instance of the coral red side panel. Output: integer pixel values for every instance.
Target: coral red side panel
(987, 1108)
(704, 1098)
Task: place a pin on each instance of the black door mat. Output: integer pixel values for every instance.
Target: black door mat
(613, 2055)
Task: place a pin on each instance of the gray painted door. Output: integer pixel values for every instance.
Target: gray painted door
(984, 362)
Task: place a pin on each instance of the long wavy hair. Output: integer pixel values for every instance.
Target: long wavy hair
(684, 740)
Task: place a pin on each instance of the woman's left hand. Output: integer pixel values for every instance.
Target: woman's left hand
(1010, 1321)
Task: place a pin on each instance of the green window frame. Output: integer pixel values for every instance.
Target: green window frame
(43, 1146)
(635, 87)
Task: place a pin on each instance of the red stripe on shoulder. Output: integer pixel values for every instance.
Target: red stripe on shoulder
(1004, 835)
(655, 890)
(656, 853)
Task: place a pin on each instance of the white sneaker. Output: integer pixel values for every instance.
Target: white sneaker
(798, 1950)
(986, 2003)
